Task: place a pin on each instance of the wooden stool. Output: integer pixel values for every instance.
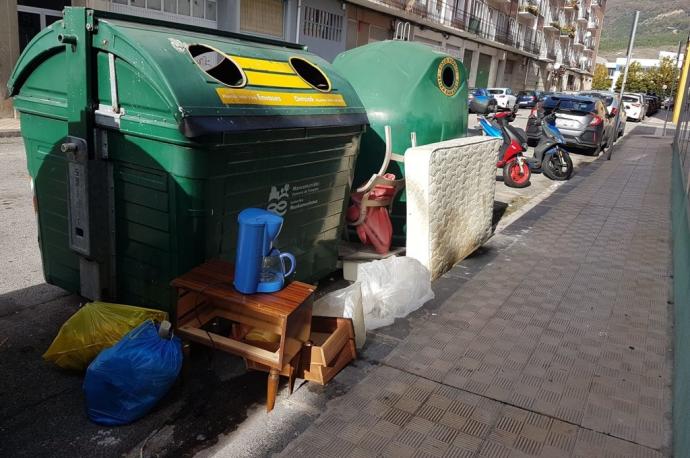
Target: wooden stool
(207, 292)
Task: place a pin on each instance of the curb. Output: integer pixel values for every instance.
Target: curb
(10, 133)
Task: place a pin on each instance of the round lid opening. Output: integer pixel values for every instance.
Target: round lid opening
(310, 73)
(217, 65)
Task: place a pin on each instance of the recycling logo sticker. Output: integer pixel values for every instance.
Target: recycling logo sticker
(286, 197)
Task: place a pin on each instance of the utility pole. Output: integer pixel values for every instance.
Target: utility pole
(625, 78)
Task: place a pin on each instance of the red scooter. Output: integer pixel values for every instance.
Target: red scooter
(516, 171)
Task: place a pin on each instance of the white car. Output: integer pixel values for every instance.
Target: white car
(635, 106)
(504, 97)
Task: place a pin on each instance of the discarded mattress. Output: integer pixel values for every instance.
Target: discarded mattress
(450, 199)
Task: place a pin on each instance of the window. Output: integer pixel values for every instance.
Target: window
(582, 106)
(200, 9)
(264, 17)
(32, 20)
(322, 24)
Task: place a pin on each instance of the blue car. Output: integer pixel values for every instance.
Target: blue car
(481, 102)
(528, 99)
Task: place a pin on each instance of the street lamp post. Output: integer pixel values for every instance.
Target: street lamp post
(625, 78)
(673, 85)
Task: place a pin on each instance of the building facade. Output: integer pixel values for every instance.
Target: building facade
(522, 44)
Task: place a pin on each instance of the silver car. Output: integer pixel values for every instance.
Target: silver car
(610, 99)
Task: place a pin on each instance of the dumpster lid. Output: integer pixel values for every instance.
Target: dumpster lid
(212, 81)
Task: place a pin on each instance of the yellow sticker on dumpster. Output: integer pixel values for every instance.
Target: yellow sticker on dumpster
(285, 99)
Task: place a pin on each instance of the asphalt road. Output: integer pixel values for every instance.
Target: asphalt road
(218, 410)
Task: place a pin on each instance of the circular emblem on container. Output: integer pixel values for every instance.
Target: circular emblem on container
(448, 76)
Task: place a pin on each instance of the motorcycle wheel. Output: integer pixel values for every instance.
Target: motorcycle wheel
(551, 166)
(512, 176)
(513, 113)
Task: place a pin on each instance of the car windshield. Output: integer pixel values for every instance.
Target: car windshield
(608, 100)
(580, 106)
(495, 91)
(479, 92)
(524, 93)
(630, 98)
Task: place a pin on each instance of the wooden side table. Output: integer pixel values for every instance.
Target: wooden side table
(206, 292)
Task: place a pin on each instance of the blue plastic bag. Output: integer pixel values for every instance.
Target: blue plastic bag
(126, 380)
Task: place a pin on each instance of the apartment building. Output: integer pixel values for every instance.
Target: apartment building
(524, 44)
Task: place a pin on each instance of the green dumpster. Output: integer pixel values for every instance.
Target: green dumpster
(144, 140)
(413, 89)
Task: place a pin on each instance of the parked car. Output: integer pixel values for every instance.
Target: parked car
(543, 95)
(504, 98)
(610, 99)
(669, 103)
(635, 106)
(528, 99)
(651, 105)
(583, 121)
(480, 101)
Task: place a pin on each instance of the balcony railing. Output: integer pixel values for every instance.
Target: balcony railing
(583, 15)
(599, 4)
(482, 20)
(572, 4)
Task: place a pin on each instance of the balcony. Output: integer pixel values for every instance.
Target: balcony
(583, 16)
(553, 26)
(572, 5)
(579, 41)
(599, 4)
(593, 23)
(567, 32)
(529, 10)
(484, 21)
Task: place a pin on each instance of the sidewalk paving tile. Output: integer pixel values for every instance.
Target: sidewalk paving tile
(560, 346)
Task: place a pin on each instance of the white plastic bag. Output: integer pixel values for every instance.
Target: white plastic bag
(346, 303)
(392, 288)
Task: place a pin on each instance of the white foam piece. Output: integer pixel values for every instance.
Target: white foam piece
(450, 189)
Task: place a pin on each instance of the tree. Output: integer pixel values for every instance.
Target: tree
(638, 80)
(665, 74)
(601, 78)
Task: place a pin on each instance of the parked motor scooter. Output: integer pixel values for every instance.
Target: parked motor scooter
(516, 171)
(550, 156)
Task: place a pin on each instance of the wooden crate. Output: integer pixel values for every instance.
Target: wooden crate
(332, 348)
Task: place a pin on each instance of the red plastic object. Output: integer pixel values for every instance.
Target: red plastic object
(376, 230)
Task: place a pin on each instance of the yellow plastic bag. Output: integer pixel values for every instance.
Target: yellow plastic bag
(260, 335)
(95, 327)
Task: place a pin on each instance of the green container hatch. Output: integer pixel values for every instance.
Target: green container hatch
(413, 89)
(145, 139)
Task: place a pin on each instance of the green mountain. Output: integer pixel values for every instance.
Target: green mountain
(654, 34)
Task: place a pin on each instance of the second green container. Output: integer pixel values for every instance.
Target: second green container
(413, 89)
